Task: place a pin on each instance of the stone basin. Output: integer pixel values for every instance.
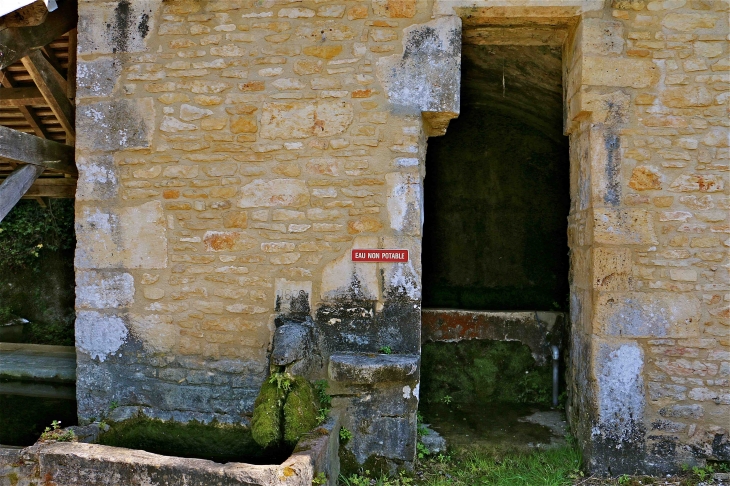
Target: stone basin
(83, 464)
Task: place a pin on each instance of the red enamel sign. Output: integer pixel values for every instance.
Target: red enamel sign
(390, 256)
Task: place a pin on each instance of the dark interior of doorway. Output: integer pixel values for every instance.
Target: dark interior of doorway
(497, 187)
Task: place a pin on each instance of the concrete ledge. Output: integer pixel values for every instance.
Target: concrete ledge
(368, 369)
(37, 362)
(66, 464)
(536, 329)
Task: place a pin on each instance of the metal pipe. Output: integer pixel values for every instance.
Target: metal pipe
(556, 374)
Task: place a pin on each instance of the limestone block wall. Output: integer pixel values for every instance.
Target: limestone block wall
(232, 153)
(646, 90)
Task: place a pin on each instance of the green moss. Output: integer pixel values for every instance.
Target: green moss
(300, 411)
(266, 425)
(473, 372)
(283, 414)
(214, 441)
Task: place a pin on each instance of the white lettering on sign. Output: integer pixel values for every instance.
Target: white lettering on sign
(387, 256)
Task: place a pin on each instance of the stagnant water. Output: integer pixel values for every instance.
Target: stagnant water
(26, 409)
(497, 425)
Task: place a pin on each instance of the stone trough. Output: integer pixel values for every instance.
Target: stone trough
(86, 464)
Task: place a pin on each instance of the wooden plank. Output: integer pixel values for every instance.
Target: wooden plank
(41, 188)
(21, 97)
(32, 118)
(71, 71)
(15, 186)
(29, 149)
(42, 73)
(18, 42)
(57, 69)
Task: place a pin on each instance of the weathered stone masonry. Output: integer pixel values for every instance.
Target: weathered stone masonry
(232, 152)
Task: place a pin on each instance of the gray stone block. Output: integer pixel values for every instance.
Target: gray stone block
(433, 440)
(97, 78)
(291, 343)
(115, 125)
(111, 27)
(373, 369)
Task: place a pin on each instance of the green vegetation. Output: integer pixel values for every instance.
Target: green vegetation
(55, 433)
(489, 371)
(365, 480)
(28, 230)
(325, 400)
(554, 467)
(386, 350)
(285, 409)
(215, 441)
(345, 434)
(36, 270)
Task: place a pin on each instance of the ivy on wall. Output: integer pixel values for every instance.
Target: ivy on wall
(30, 229)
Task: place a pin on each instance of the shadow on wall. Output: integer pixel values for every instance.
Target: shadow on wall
(497, 187)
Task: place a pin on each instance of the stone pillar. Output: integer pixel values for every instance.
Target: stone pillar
(645, 348)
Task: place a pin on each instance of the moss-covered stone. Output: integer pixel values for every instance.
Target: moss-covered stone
(481, 371)
(266, 425)
(215, 441)
(284, 413)
(300, 411)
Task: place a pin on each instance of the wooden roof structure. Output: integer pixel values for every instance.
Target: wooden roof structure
(37, 88)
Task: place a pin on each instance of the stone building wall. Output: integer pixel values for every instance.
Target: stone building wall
(232, 153)
(647, 103)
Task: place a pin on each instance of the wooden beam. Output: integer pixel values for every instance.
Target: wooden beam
(57, 69)
(18, 42)
(21, 97)
(49, 188)
(71, 71)
(15, 186)
(33, 120)
(43, 74)
(29, 149)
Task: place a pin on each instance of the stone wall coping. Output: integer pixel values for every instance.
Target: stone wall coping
(373, 368)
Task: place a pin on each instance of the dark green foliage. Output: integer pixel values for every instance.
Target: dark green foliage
(473, 372)
(266, 424)
(28, 230)
(214, 441)
(300, 411)
(36, 270)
